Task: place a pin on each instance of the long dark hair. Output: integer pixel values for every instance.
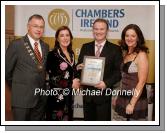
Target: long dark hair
(140, 42)
(57, 44)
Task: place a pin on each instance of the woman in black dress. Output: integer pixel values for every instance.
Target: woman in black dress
(134, 75)
(61, 70)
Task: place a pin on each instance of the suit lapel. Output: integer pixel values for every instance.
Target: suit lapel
(43, 51)
(92, 49)
(26, 40)
(103, 52)
(29, 50)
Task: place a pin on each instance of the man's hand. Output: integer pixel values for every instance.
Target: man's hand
(76, 83)
(80, 66)
(100, 85)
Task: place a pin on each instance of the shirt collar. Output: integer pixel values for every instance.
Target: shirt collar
(102, 44)
(32, 41)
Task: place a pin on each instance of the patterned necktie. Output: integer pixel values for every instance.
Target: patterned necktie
(37, 53)
(98, 50)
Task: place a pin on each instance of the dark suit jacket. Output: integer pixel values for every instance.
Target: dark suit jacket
(113, 59)
(22, 74)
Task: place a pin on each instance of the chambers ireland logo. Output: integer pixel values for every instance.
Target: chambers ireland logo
(57, 18)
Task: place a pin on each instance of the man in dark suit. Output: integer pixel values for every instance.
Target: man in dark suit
(98, 108)
(25, 72)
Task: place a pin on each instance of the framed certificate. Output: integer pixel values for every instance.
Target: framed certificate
(93, 70)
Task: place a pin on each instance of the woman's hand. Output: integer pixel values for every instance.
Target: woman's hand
(129, 109)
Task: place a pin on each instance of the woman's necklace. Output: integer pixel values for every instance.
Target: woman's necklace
(67, 56)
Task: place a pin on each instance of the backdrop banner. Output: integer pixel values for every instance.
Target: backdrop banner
(80, 20)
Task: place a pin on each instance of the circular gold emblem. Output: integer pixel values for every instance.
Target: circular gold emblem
(57, 18)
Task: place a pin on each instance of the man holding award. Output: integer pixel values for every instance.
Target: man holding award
(100, 63)
(25, 71)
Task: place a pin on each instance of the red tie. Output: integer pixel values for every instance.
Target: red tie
(98, 50)
(37, 53)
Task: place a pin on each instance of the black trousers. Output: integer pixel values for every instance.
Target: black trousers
(97, 111)
(36, 113)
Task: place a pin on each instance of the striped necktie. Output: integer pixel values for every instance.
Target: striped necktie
(37, 53)
(98, 50)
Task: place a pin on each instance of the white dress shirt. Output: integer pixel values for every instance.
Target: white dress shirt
(102, 45)
(32, 41)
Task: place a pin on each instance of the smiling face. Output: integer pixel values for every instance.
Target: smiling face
(100, 31)
(36, 28)
(131, 38)
(64, 38)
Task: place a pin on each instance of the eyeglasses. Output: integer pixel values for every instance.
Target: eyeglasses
(37, 27)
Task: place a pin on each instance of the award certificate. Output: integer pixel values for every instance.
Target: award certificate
(93, 70)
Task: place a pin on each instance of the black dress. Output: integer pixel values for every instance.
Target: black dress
(61, 73)
(129, 82)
